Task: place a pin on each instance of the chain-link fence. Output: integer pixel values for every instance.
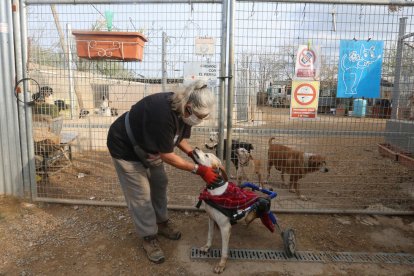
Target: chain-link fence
(74, 165)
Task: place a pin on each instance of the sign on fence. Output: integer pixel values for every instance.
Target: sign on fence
(201, 70)
(359, 73)
(304, 99)
(204, 46)
(308, 62)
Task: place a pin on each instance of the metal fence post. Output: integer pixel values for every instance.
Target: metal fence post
(398, 64)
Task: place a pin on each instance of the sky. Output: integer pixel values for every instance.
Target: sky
(260, 28)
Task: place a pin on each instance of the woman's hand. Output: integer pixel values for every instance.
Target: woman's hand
(210, 176)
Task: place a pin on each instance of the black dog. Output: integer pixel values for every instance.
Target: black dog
(83, 113)
(40, 97)
(235, 144)
(61, 105)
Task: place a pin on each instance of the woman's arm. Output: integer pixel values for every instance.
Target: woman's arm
(178, 162)
(184, 146)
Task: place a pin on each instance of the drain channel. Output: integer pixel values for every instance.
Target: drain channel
(307, 256)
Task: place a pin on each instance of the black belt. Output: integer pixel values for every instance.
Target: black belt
(141, 154)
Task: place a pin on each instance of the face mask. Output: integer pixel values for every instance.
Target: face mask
(192, 120)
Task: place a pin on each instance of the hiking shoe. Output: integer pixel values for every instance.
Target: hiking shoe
(153, 249)
(167, 230)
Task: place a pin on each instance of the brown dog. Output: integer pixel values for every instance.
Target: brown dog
(293, 162)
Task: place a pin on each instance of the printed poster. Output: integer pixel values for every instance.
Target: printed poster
(304, 99)
(308, 62)
(359, 73)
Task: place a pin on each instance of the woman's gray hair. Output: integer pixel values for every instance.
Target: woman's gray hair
(198, 95)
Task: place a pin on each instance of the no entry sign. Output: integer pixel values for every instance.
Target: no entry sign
(304, 99)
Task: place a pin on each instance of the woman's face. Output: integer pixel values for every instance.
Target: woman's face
(191, 117)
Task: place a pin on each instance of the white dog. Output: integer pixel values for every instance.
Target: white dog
(215, 216)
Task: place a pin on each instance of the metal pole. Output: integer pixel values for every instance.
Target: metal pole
(222, 84)
(27, 109)
(4, 166)
(69, 66)
(337, 2)
(164, 61)
(11, 154)
(20, 105)
(231, 86)
(398, 64)
(278, 210)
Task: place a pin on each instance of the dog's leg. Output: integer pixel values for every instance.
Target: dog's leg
(259, 177)
(210, 235)
(238, 177)
(243, 175)
(294, 187)
(225, 229)
(283, 173)
(292, 184)
(269, 167)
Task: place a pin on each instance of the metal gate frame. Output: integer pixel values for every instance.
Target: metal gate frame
(227, 72)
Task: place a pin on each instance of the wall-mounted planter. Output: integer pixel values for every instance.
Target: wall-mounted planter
(128, 46)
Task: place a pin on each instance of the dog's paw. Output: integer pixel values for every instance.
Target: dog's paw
(219, 268)
(302, 197)
(205, 249)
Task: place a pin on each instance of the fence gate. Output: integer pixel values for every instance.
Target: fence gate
(360, 139)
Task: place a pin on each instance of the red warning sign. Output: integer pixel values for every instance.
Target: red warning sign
(305, 94)
(304, 99)
(307, 57)
(308, 63)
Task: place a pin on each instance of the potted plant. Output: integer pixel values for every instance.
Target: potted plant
(97, 44)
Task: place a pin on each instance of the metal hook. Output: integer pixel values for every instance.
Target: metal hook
(333, 12)
(276, 11)
(304, 14)
(252, 12)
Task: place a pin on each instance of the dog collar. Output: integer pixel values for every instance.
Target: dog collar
(219, 191)
(216, 185)
(306, 156)
(245, 163)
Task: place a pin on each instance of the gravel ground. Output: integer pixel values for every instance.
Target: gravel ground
(55, 239)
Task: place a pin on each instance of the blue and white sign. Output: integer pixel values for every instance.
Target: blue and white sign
(359, 73)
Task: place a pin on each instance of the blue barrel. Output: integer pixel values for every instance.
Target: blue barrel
(360, 108)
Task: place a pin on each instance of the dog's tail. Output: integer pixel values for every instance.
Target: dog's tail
(271, 140)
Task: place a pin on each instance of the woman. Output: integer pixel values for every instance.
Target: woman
(140, 141)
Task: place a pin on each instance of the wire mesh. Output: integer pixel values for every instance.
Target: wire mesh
(88, 95)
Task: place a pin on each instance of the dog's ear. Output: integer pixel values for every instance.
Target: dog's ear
(250, 147)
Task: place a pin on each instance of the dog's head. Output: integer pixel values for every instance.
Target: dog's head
(209, 160)
(316, 161)
(212, 140)
(46, 91)
(244, 156)
(206, 159)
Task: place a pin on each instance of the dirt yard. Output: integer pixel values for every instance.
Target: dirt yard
(54, 239)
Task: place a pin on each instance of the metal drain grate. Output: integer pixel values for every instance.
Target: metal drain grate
(307, 256)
